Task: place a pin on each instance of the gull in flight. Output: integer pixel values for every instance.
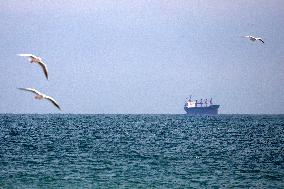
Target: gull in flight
(36, 60)
(252, 38)
(41, 96)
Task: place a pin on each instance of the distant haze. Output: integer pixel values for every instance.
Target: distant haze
(142, 56)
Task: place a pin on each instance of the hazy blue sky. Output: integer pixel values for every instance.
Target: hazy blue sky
(142, 56)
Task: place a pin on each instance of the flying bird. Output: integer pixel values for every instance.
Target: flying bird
(41, 96)
(36, 60)
(252, 38)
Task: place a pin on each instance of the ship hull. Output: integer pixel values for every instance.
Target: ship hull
(210, 110)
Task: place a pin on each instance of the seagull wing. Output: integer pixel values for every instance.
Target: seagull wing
(27, 55)
(52, 101)
(261, 40)
(44, 68)
(31, 90)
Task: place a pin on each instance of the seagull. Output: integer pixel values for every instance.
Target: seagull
(252, 38)
(41, 96)
(37, 60)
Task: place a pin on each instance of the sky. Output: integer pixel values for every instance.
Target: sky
(142, 56)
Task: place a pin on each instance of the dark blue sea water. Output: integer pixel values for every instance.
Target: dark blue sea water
(141, 151)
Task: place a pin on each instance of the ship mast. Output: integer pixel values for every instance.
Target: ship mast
(195, 103)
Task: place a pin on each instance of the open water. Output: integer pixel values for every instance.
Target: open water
(141, 151)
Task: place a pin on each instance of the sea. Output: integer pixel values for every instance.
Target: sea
(141, 151)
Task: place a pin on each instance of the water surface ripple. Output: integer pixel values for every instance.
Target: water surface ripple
(141, 151)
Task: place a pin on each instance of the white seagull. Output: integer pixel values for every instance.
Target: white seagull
(252, 38)
(41, 96)
(37, 60)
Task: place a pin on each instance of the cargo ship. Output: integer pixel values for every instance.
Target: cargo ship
(195, 107)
